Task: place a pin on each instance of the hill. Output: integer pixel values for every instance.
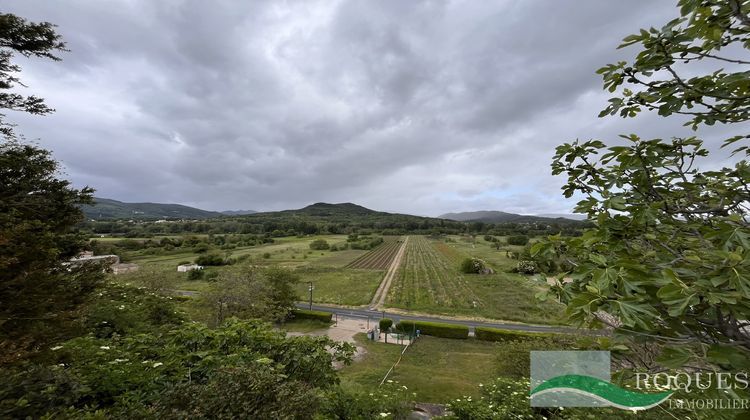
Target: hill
(338, 213)
(238, 212)
(331, 210)
(490, 216)
(341, 216)
(105, 208)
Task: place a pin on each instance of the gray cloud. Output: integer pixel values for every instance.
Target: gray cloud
(420, 107)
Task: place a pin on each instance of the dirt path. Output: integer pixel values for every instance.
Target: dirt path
(344, 330)
(379, 299)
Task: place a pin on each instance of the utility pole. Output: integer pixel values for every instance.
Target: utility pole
(311, 289)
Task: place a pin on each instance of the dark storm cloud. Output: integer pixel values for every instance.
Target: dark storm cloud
(422, 107)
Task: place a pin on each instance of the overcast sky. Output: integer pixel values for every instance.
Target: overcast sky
(405, 106)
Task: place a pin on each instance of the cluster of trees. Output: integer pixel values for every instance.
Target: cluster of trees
(281, 224)
(213, 244)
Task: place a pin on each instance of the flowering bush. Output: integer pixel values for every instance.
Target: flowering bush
(391, 401)
(525, 267)
(134, 375)
(472, 266)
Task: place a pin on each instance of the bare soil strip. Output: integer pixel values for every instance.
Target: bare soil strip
(379, 299)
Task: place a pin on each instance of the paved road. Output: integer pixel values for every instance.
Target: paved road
(375, 315)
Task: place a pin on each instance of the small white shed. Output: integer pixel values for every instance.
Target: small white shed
(183, 268)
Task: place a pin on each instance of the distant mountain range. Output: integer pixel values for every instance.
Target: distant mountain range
(105, 208)
(491, 216)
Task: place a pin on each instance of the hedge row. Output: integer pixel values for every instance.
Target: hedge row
(316, 315)
(494, 334)
(434, 328)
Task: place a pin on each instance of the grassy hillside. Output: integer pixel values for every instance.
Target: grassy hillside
(105, 208)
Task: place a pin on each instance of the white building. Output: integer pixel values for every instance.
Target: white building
(183, 268)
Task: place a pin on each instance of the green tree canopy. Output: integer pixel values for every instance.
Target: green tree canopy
(662, 76)
(29, 39)
(37, 213)
(669, 256)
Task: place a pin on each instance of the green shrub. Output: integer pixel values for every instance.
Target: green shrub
(201, 248)
(316, 315)
(266, 255)
(385, 324)
(319, 244)
(435, 329)
(211, 259)
(195, 274)
(525, 267)
(472, 266)
(343, 403)
(518, 240)
(495, 334)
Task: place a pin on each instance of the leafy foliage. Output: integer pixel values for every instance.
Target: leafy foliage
(319, 244)
(525, 267)
(249, 292)
(669, 256)
(518, 240)
(146, 374)
(671, 251)
(436, 329)
(659, 78)
(18, 36)
(38, 291)
(496, 334)
(385, 324)
(211, 259)
(472, 266)
(392, 401)
(324, 317)
(123, 310)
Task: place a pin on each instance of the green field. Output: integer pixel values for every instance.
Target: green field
(429, 281)
(479, 248)
(437, 369)
(331, 281)
(340, 286)
(288, 251)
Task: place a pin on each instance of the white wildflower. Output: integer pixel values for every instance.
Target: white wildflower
(56, 348)
(157, 364)
(104, 347)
